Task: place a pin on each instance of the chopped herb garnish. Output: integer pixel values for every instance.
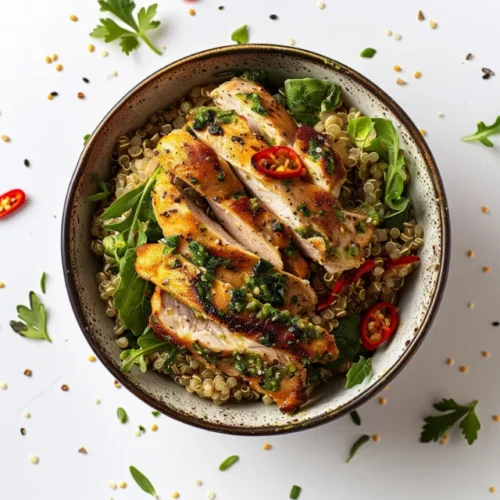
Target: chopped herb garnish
(483, 132)
(355, 417)
(254, 101)
(303, 208)
(33, 322)
(122, 415)
(358, 372)
(170, 244)
(436, 426)
(357, 445)
(43, 280)
(277, 227)
(155, 414)
(109, 30)
(86, 138)
(142, 429)
(142, 481)
(228, 462)
(240, 35)
(368, 52)
(295, 492)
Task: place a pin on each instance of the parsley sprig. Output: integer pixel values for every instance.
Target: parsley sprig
(123, 10)
(483, 132)
(33, 322)
(436, 426)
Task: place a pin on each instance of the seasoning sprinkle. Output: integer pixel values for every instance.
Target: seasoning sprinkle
(80, 95)
(420, 16)
(86, 80)
(97, 401)
(496, 418)
(92, 358)
(104, 53)
(64, 388)
(486, 269)
(23, 431)
(485, 209)
(485, 354)
(5, 138)
(4, 386)
(73, 18)
(59, 67)
(91, 47)
(34, 459)
(471, 305)
(221, 7)
(230, 461)
(495, 323)
(198, 482)
(493, 489)
(117, 384)
(423, 131)
(450, 361)
(433, 24)
(54, 57)
(210, 495)
(400, 81)
(82, 450)
(376, 438)
(28, 372)
(50, 97)
(2, 284)
(417, 74)
(48, 60)
(382, 401)
(175, 494)
(470, 254)
(321, 5)
(290, 42)
(112, 485)
(273, 17)
(267, 446)
(154, 427)
(396, 68)
(27, 414)
(440, 114)
(469, 56)
(123, 485)
(397, 36)
(487, 71)
(192, 12)
(388, 32)
(464, 369)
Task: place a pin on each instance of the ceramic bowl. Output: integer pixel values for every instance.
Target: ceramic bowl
(421, 295)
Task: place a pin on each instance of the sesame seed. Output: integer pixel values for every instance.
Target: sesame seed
(92, 358)
(486, 269)
(464, 369)
(104, 53)
(59, 67)
(496, 418)
(154, 427)
(397, 36)
(123, 485)
(48, 60)
(175, 494)
(388, 32)
(400, 81)
(5, 138)
(290, 42)
(28, 372)
(73, 18)
(267, 446)
(423, 131)
(376, 438)
(91, 47)
(396, 68)
(450, 361)
(3, 386)
(420, 15)
(210, 495)
(64, 388)
(27, 414)
(485, 209)
(112, 485)
(433, 24)
(485, 354)
(417, 74)
(198, 482)
(97, 401)
(382, 401)
(321, 5)
(470, 254)
(34, 459)
(471, 305)
(192, 12)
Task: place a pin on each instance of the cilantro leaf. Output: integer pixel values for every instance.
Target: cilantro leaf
(109, 30)
(436, 426)
(358, 372)
(483, 132)
(240, 35)
(33, 322)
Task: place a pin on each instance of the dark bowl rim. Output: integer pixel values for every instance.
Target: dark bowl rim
(435, 300)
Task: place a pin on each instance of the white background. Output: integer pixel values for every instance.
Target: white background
(49, 134)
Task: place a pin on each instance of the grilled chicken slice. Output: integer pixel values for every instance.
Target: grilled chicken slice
(179, 216)
(324, 166)
(323, 231)
(264, 113)
(269, 371)
(233, 308)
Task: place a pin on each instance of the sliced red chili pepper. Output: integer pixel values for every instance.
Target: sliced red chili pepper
(378, 324)
(366, 267)
(11, 201)
(280, 162)
(403, 261)
(337, 288)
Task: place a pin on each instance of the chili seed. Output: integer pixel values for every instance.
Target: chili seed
(54, 57)
(470, 254)
(48, 60)
(464, 369)
(376, 438)
(417, 74)
(486, 269)
(493, 489)
(28, 372)
(396, 68)
(382, 401)
(91, 47)
(485, 354)
(5, 138)
(496, 418)
(154, 427)
(192, 12)
(123, 485)
(433, 24)
(64, 388)
(267, 446)
(485, 209)
(82, 450)
(449, 361)
(34, 459)
(80, 95)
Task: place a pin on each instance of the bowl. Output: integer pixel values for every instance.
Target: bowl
(420, 299)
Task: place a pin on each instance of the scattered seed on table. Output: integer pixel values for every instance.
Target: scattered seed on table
(48, 60)
(486, 269)
(485, 209)
(73, 18)
(267, 446)
(86, 80)
(469, 56)
(397, 36)
(420, 15)
(487, 72)
(117, 384)
(34, 459)
(92, 358)
(464, 369)
(417, 74)
(443, 441)
(123, 485)
(198, 482)
(28, 372)
(211, 495)
(485, 354)
(26, 164)
(4, 386)
(23, 431)
(470, 254)
(82, 450)
(376, 438)
(382, 401)
(2, 284)
(388, 32)
(154, 427)
(112, 485)
(496, 323)
(27, 414)
(176, 494)
(80, 95)
(471, 305)
(386, 388)
(5, 138)
(423, 131)
(400, 81)
(50, 97)
(496, 418)
(54, 57)
(64, 388)
(97, 401)
(221, 7)
(104, 53)
(450, 361)
(321, 5)
(59, 67)
(440, 114)
(273, 17)
(290, 42)
(493, 489)
(433, 24)
(91, 47)
(396, 68)
(192, 12)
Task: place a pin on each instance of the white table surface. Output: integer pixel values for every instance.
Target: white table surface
(49, 134)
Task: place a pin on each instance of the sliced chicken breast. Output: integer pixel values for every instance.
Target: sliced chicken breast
(264, 113)
(324, 166)
(179, 216)
(269, 371)
(233, 308)
(322, 229)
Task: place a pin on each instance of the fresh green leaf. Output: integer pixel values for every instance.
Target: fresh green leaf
(358, 372)
(109, 30)
(43, 281)
(122, 415)
(355, 417)
(33, 322)
(368, 52)
(295, 492)
(128, 201)
(142, 429)
(155, 414)
(86, 138)
(307, 97)
(436, 426)
(483, 132)
(228, 462)
(103, 193)
(360, 131)
(254, 75)
(397, 220)
(347, 339)
(170, 244)
(142, 481)
(240, 35)
(357, 445)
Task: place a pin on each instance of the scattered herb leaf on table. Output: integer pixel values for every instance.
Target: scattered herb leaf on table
(368, 53)
(240, 35)
(357, 445)
(122, 415)
(355, 417)
(43, 281)
(228, 462)
(33, 322)
(142, 481)
(483, 132)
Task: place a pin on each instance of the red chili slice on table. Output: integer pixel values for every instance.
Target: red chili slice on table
(11, 201)
(279, 162)
(378, 324)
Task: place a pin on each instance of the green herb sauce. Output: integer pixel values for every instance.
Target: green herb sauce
(254, 101)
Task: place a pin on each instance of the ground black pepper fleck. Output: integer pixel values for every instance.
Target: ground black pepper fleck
(221, 7)
(86, 80)
(27, 163)
(496, 323)
(274, 17)
(486, 77)
(469, 56)
(23, 431)
(54, 94)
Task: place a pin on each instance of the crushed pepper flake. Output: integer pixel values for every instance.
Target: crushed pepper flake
(5, 138)
(486, 269)
(420, 16)
(64, 388)
(28, 372)
(470, 254)
(82, 450)
(469, 57)
(2, 284)
(496, 418)
(485, 209)
(493, 489)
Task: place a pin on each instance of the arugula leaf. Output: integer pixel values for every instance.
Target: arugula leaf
(483, 132)
(369, 52)
(155, 414)
(359, 131)
(347, 340)
(357, 445)
(358, 372)
(397, 220)
(43, 280)
(33, 322)
(307, 97)
(122, 415)
(109, 30)
(436, 426)
(240, 35)
(142, 481)
(103, 194)
(148, 343)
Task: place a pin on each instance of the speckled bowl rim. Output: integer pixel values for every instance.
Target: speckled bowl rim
(435, 300)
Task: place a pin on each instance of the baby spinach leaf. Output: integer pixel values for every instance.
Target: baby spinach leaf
(347, 339)
(358, 372)
(307, 97)
(483, 132)
(359, 131)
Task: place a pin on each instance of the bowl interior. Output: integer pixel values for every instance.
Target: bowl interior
(419, 299)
